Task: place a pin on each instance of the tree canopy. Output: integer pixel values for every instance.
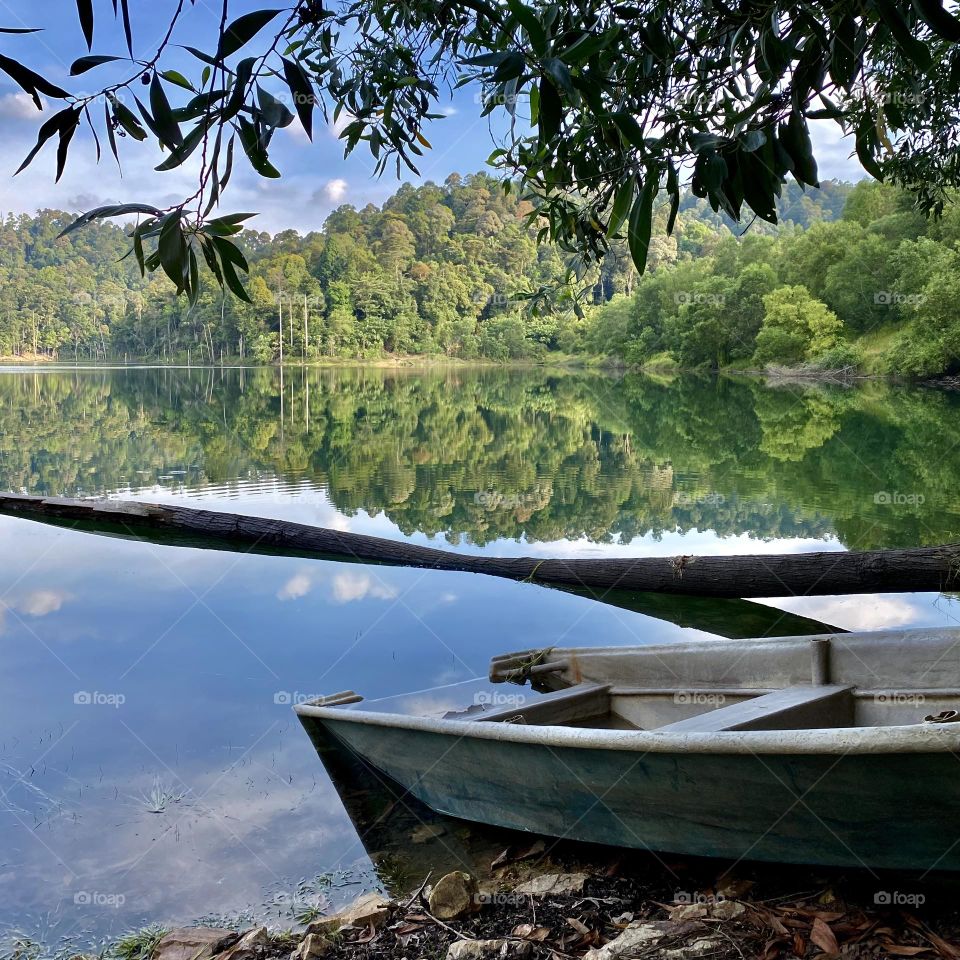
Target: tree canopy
(607, 104)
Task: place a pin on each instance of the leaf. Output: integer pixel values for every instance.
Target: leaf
(621, 205)
(164, 125)
(823, 937)
(20, 29)
(127, 29)
(127, 119)
(175, 77)
(67, 130)
(85, 12)
(172, 248)
(913, 48)
(190, 143)
(301, 89)
(550, 113)
(902, 950)
(628, 127)
(273, 113)
(48, 130)
(943, 23)
(242, 31)
(528, 19)
(641, 217)
(31, 82)
(83, 64)
(111, 136)
(111, 210)
(254, 150)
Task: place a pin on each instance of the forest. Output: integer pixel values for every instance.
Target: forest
(851, 277)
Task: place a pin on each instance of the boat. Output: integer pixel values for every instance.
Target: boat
(830, 749)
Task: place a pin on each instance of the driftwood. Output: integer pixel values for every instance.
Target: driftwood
(774, 575)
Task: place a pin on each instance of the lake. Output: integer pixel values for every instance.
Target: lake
(151, 768)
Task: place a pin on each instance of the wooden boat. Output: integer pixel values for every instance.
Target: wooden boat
(833, 749)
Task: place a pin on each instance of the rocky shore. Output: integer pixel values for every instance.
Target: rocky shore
(610, 912)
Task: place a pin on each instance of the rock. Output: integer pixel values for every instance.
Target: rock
(640, 936)
(250, 945)
(427, 832)
(453, 895)
(372, 909)
(486, 949)
(700, 947)
(194, 943)
(553, 883)
(312, 945)
(717, 909)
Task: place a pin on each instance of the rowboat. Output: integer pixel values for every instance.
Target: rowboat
(832, 749)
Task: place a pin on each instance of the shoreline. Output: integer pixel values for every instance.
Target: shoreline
(621, 906)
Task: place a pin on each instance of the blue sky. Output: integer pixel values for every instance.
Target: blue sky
(316, 178)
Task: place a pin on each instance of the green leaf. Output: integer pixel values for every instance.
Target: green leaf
(83, 64)
(255, 151)
(20, 29)
(127, 119)
(628, 127)
(242, 31)
(172, 247)
(943, 23)
(913, 48)
(111, 210)
(301, 89)
(641, 221)
(621, 205)
(190, 143)
(173, 76)
(164, 124)
(528, 19)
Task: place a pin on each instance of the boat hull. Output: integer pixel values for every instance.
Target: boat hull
(898, 810)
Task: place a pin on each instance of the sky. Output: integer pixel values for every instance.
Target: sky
(316, 176)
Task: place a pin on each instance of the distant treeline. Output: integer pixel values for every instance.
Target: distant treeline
(439, 269)
(877, 290)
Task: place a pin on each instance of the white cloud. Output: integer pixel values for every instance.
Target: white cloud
(18, 106)
(359, 586)
(299, 585)
(39, 603)
(449, 111)
(335, 190)
(866, 612)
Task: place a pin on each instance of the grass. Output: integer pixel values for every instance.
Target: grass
(139, 944)
(875, 345)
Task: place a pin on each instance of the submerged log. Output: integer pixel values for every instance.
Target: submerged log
(773, 575)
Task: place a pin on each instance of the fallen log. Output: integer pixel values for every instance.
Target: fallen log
(774, 575)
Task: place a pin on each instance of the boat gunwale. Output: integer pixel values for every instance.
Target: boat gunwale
(843, 741)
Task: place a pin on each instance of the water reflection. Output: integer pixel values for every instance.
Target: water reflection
(150, 766)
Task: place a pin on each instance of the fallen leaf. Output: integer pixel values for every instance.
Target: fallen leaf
(823, 937)
(947, 950)
(902, 950)
(529, 932)
(581, 928)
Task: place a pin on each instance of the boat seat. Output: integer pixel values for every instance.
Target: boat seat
(578, 702)
(805, 707)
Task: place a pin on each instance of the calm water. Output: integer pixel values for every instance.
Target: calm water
(150, 766)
